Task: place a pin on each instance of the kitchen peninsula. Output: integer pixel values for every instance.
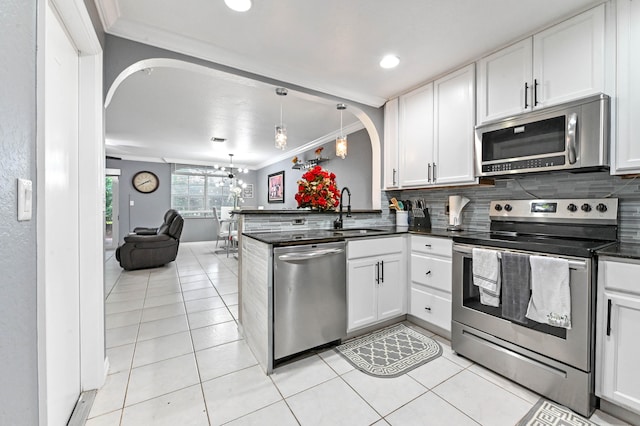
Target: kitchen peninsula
(371, 237)
(260, 232)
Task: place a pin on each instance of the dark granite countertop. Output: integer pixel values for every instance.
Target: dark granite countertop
(309, 236)
(297, 211)
(622, 250)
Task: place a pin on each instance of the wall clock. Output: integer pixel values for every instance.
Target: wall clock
(145, 182)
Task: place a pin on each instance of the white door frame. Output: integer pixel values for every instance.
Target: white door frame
(93, 363)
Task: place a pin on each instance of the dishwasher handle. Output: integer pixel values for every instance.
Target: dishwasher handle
(309, 255)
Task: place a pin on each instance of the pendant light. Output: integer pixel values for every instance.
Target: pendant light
(281, 131)
(341, 141)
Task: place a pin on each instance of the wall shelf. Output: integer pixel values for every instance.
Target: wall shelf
(308, 164)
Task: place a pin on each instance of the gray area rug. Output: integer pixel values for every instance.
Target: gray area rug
(547, 413)
(390, 352)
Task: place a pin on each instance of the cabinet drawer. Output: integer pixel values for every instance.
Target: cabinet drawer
(431, 308)
(431, 271)
(431, 245)
(374, 247)
(621, 276)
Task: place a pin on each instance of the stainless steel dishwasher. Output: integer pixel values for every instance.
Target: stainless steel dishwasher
(310, 297)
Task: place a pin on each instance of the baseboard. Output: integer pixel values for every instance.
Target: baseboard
(428, 326)
(106, 368)
(619, 412)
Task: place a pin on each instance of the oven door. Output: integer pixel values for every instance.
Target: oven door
(572, 347)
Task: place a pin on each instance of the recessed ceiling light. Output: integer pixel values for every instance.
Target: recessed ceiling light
(238, 5)
(390, 61)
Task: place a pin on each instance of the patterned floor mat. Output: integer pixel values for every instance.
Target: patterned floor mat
(547, 413)
(390, 352)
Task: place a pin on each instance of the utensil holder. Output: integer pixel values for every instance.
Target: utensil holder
(402, 218)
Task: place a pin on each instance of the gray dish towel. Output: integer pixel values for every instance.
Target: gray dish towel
(516, 278)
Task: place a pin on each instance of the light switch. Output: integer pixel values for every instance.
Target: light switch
(25, 197)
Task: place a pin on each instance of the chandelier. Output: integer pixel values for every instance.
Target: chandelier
(231, 173)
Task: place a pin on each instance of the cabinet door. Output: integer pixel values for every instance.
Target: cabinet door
(454, 98)
(569, 59)
(362, 292)
(416, 136)
(502, 77)
(391, 163)
(392, 291)
(620, 374)
(626, 150)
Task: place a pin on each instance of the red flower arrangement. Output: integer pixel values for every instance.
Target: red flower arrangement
(317, 189)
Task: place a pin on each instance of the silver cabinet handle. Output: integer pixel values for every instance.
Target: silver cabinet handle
(434, 172)
(394, 176)
(429, 172)
(427, 308)
(310, 255)
(572, 140)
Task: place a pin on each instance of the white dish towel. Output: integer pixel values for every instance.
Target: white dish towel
(550, 294)
(486, 275)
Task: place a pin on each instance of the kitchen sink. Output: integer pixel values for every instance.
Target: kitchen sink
(352, 232)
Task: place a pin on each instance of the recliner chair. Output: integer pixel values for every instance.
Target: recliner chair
(168, 218)
(150, 250)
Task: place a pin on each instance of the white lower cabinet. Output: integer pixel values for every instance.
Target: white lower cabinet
(617, 343)
(431, 280)
(376, 280)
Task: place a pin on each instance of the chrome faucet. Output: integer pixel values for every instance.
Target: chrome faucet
(338, 222)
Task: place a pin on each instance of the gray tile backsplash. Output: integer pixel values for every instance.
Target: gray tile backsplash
(548, 185)
(476, 214)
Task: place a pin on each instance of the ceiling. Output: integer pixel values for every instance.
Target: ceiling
(330, 46)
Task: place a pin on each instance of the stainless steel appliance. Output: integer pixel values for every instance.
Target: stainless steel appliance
(573, 136)
(310, 297)
(553, 361)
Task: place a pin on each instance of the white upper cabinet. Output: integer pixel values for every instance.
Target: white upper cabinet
(416, 136)
(391, 160)
(625, 147)
(454, 99)
(436, 123)
(503, 82)
(564, 62)
(569, 59)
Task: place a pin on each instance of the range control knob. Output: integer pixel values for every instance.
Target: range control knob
(572, 207)
(498, 207)
(601, 207)
(586, 207)
(508, 207)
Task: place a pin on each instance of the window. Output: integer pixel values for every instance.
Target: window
(194, 193)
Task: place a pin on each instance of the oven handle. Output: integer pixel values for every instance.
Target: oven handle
(573, 264)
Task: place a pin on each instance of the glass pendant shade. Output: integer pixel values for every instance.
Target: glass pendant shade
(341, 141)
(281, 137)
(281, 131)
(341, 147)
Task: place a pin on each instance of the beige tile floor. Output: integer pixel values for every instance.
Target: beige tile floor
(176, 358)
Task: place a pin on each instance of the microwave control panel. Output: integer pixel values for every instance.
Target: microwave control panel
(535, 163)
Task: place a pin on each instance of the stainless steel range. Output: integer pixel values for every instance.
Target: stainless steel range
(552, 356)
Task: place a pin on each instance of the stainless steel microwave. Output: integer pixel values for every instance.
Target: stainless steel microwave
(571, 137)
